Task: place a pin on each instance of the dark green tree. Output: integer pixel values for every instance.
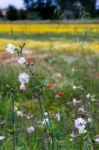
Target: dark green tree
(88, 5)
(22, 14)
(12, 13)
(44, 9)
(1, 14)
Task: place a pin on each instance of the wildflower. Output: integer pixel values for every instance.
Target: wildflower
(30, 129)
(2, 138)
(45, 113)
(97, 140)
(88, 95)
(89, 120)
(58, 116)
(51, 85)
(45, 121)
(73, 70)
(28, 117)
(10, 48)
(74, 101)
(20, 113)
(81, 109)
(82, 131)
(73, 135)
(80, 125)
(21, 60)
(57, 75)
(24, 78)
(74, 87)
(22, 87)
(45, 82)
(59, 94)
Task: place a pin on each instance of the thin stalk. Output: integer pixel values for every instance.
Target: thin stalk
(13, 120)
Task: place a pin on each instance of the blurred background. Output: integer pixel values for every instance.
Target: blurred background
(48, 9)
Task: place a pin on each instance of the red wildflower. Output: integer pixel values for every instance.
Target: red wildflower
(59, 94)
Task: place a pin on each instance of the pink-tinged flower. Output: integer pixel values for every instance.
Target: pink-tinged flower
(80, 125)
(51, 85)
(10, 48)
(73, 135)
(22, 87)
(28, 117)
(22, 60)
(24, 78)
(58, 116)
(97, 139)
(79, 122)
(30, 129)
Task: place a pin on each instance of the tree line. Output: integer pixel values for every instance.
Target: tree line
(52, 9)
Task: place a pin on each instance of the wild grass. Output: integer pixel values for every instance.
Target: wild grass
(48, 104)
(66, 73)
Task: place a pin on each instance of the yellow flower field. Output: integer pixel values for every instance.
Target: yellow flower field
(55, 44)
(52, 28)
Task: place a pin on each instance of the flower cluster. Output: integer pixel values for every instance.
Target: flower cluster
(23, 77)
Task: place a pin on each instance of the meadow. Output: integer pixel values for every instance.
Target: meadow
(56, 105)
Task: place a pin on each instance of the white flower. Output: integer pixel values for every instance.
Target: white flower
(58, 116)
(97, 140)
(30, 129)
(22, 87)
(74, 87)
(74, 101)
(92, 99)
(2, 138)
(57, 75)
(45, 121)
(10, 48)
(81, 109)
(82, 131)
(88, 95)
(80, 123)
(24, 78)
(21, 60)
(73, 135)
(89, 120)
(20, 113)
(45, 113)
(73, 70)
